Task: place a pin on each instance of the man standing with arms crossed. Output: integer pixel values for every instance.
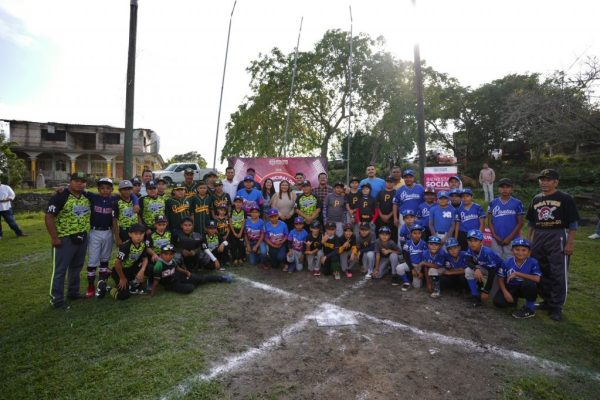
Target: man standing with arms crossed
(487, 176)
(553, 220)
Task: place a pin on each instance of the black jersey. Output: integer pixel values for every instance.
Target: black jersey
(556, 211)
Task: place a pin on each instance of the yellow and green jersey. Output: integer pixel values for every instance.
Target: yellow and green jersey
(237, 219)
(124, 214)
(72, 213)
(131, 255)
(150, 208)
(155, 241)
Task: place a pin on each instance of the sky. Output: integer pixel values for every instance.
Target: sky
(66, 60)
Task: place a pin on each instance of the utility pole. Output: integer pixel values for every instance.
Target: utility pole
(287, 116)
(349, 103)
(222, 85)
(130, 84)
(420, 107)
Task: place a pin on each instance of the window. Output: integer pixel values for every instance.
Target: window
(55, 135)
(61, 165)
(112, 138)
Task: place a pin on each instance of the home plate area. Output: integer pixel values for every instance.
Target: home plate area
(363, 340)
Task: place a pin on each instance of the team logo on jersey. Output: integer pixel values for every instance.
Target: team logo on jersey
(546, 213)
(80, 211)
(52, 209)
(497, 212)
(154, 207)
(128, 212)
(447, 214)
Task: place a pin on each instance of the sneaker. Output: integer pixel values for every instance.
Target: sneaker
(405, 286)
(435, 294)
(594, 236)
(61, 306)
(317, 272)
(101, 289)
(368, 276)
(90, 292)
(348, 274)
(555, 315)
(336, 275)
(228, 278)
(396, 280)
(475, 302)
(523, 313)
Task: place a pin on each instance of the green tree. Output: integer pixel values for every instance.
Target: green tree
(191, 156)
(12, 169)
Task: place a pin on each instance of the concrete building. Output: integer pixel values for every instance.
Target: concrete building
(57, 149)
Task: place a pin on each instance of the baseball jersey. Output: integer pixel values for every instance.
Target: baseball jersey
(313, 243)
(530, 267)
(331, 246)
(254, 229)
(366, 243)
(556, 211)
(351, 241)
(252, 198)
(176, 210)
(415, 251)
(438, 259)
(456, 263)
(486, 258)
(164, 272)
(385, 201)
(72, 213)
(212, 241)
(237, 219)
(366, 210)
(155, 241)
(469, 218)
(130, 254)
(276, 233)
(334, 208)
(222, 226)
(183, 241)
(389, 245)
(307, 203)
(352, 199)
(442, 218)
(504, 215)
(409, 198)
(190, 190)
(296, 239)
(150, 208)
(222, 199)
(124, 214)
(377, 185)
(423, 214)
(404, 233)
(201, 207)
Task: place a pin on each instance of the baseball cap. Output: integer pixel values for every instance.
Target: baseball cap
(417, 227)
(211, 224)
(354, 179)
(408, 172)
(298, 220)
(385, 229)
(451, 242)
(249, 178)
(365, 225)
(520, 242)
(188, 171)
(389, 179)
(150, 185)
(160, 218)
(467, 191)
(218, 182)
(273, 212)
(125, 185)
(136, 181)
(167, 247)
(210, 173)
(455, 192)
(442, 194)
(250, 169)
(434, 239)
(475, 234)
(179, 186)
(137, 228)
(78, 175)
(187, 219)
(254, 208)
(549, 173)
(429, 189)
(454, 177)
(367, 184)
(330, 225)
(505, 182)
(238, 198)
(315, 224)
(305, 183)
(160, 179)
(348, 226)
(103, 181)
(409, 212)
(340, 184)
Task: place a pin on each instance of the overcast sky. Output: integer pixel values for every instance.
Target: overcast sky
(66, 61)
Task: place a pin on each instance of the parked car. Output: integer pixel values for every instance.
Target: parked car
(174, 172)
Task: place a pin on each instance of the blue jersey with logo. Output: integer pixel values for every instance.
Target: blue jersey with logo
(415, 250)
(486, 258)
(276, 233)
(505, 215)
(252, 198)
(404, 233)
(442, 218)
(409, 198)
(469, 218)
(254, 229)
(423, 214)
(456, 263)
(439, 258)
(529, 267)
(297, 238)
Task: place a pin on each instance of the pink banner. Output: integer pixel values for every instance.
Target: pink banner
(437, 177)
(279, 169)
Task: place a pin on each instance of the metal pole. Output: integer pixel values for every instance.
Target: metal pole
(349, 102)
(222, 85)
(287, 116)
(128, 142)
(420, 108)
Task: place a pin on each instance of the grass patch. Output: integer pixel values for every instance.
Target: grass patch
(538, 387)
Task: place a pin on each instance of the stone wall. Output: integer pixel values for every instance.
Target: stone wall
(31, 202)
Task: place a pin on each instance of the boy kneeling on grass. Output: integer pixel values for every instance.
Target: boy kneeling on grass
(412, 251)
(481, 261)
(130, 265)
(519, 278)
(387, 254)
(174, 277)
(434, 259)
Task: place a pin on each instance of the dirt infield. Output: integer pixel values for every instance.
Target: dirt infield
(378, 342)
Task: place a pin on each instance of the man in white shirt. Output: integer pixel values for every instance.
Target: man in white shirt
(6, 196)
(146, 177)
(229, 185)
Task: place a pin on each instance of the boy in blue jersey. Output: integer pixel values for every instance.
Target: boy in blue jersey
(296, 239)
(408, 197)
(254, 235)
(423, 211)
(442, 218)
(469, 216)
(409, 217)
(506, 216)
(519, 278)
(456, 262)
(481, 261)
(251, 196)
(434, 259)
(276, 233)
(455, 196)
(413, 255)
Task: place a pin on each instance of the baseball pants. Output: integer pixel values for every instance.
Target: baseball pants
(314, 260)
(293, 259)
(385, 263)
(525, 289)
(345, 261)
(548, 248)
(183, 284)
(368, 261)
(505, 252)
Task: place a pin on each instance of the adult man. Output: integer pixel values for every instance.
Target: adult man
(297, 188)
(146, 177)
(397, 176)
(487, 176)
(553, 219)
(229, 185)
(377, 184)
(323, 189)
(68, 223)
(188, 183)
(250, 172)
(408, 197)
(210, 178)
(6, 196)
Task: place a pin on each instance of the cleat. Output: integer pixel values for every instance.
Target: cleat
(523, 313)
(336, 275)
(405, 286)
(101, 289)
(90, 292)
(555, 315)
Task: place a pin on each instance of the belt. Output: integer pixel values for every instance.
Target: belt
(441, 233)
(100, 228)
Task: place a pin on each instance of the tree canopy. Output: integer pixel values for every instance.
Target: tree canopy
(190, 156)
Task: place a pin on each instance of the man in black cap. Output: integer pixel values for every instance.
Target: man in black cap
(250, 172)
(552, 218)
